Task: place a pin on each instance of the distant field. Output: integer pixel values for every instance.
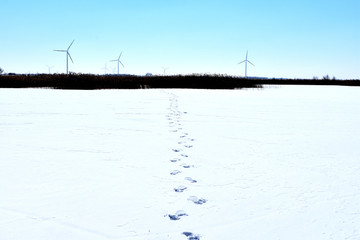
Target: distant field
(88, 81)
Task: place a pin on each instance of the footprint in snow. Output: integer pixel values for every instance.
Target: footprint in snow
(197, 200)
(176, 150)
(177, 215)
(180, 189)
(190, 180)
(184, 165)
(191, 236)
(175, 160)
(175, 172)
(184, 135)
(188, 146)
(184, 155)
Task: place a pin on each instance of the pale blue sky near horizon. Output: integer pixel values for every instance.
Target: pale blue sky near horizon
(295, 39)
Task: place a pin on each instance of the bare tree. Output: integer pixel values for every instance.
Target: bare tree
(1, 70)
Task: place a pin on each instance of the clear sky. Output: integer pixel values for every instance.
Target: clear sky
(296, 39)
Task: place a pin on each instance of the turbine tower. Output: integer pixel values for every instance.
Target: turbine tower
(67, 56)
(165, 68)
(105, 68)
(49, 68)
(118, 63)
(246, 61)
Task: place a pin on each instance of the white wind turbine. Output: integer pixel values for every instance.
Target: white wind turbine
(165, 68)
(105, 68)
(246, 61)
(67, 56)
(118, 63)
(49, 68)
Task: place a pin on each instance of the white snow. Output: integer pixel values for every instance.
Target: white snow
(277, 163)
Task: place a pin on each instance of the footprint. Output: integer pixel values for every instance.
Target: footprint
(190, 180)
(197, 200)
(180, 189)
(177, 150)
(184, 135)
(188, 234)
(184, 155)
(188, 146)
(175, 160)
(177, 215)
(191, 236)
(184, 165)
(173, 217)
(175, 172)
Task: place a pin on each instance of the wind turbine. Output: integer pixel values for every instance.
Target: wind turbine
(49, 68)
(165, 68)
(118, 63)
(67, 56)
(246, 61)
(105, 68)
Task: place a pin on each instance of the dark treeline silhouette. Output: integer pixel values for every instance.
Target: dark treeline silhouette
(196, 81)
(329, 82)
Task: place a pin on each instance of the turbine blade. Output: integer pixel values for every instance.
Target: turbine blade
(242, 62)
(60, 50)
(121, 63)
(120, 55)
(251, 63)
(70, 57)
(71, 44)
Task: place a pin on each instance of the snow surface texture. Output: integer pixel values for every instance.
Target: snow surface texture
(277, 163)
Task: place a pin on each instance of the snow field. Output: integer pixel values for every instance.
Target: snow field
(277, 163)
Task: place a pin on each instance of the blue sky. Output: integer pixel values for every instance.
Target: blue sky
(296, 39)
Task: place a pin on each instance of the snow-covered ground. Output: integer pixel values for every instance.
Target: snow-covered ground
(277, 163)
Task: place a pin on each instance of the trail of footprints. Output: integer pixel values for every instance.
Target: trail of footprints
(185, 142)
